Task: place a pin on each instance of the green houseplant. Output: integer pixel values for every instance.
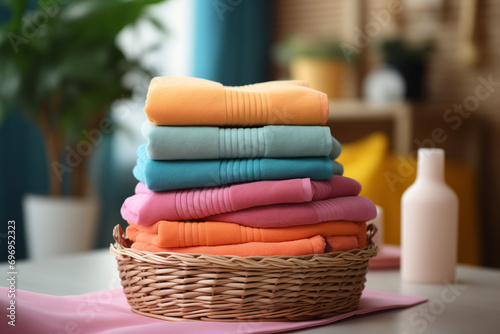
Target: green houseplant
(61, 67)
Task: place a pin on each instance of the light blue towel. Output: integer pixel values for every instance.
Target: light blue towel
(208, 142)
(182, 174)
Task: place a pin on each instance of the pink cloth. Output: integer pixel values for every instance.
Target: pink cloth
(388, 257)
(352, 208)
(147, 207)
(107, 311)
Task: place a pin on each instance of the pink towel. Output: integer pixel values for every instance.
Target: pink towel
(352, 208)
(107, 311)
(388, 257)
(147, 207)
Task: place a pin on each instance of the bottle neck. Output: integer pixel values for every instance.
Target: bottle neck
(430, 164)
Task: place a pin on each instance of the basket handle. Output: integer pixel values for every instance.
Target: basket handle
(120, 237)
(371, 230)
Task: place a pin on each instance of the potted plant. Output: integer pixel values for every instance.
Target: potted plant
(61, 67)
(321, 63)
(410, 61)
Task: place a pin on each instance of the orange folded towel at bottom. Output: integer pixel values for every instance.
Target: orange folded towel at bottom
(341, 243)
(313, 245)
(186, 234)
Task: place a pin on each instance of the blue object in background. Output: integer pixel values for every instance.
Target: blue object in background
(232, 39)
(23, 169)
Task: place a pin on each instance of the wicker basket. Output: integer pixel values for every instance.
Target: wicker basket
(174, 286)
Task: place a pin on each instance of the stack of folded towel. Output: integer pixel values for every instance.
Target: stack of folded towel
(242, 171)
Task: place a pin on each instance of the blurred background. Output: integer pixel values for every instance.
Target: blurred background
(399, 74)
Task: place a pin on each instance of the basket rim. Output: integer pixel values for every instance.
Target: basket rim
(121, 250)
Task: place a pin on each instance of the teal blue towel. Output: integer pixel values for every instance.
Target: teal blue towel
(182, 174)
(208, 142)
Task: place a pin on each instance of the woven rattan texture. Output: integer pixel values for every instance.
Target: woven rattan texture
(174, 286)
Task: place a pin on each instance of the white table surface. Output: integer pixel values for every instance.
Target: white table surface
(473, 306)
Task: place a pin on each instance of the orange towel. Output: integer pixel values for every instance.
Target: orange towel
(313, 245)
(274, 82)
(193, 101)
(186, 234)
(342, 243)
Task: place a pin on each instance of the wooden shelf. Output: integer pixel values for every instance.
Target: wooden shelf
(358, 110)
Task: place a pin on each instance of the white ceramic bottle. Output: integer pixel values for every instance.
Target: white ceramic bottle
(429, 223)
